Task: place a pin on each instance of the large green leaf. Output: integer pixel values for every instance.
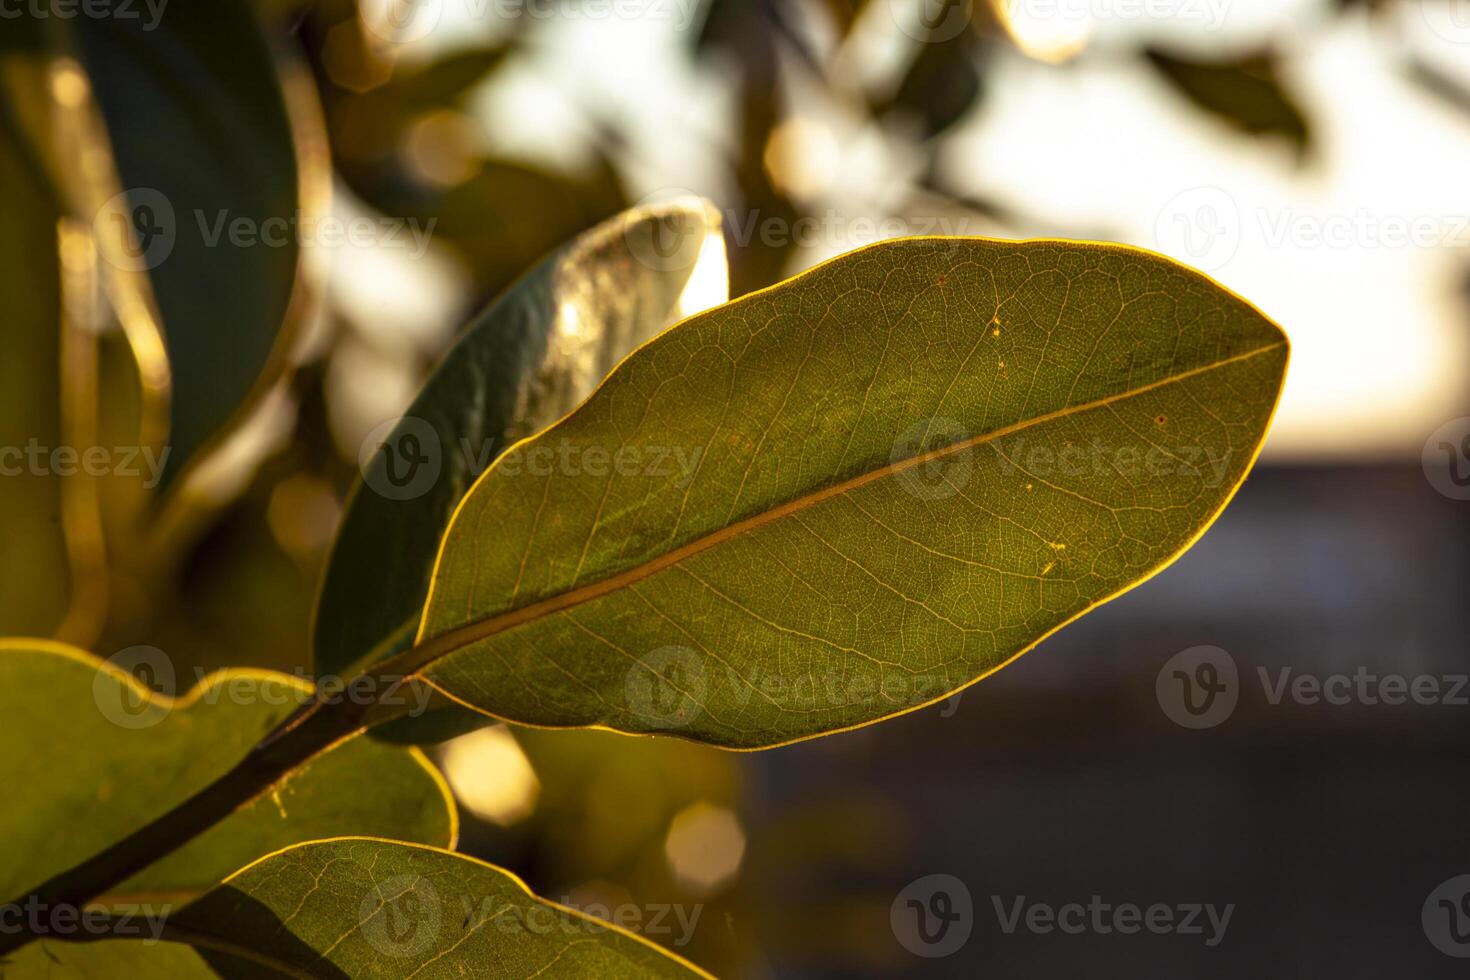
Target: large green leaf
(201, 139)
(526, 361)
(362, 908)
(93, 755)
(853, 493)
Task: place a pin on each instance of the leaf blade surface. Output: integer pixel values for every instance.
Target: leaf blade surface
(909, 466)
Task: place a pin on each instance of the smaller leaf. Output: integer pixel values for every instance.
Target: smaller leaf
(530, 358)
(360, 907)
(1246, 93)
(95, 755)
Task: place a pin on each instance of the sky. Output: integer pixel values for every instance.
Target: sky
(1359, 252)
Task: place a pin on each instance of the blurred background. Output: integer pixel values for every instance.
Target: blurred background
(1311, 155)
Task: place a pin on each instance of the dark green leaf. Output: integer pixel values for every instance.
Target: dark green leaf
(201, 140)
(526, 361)
(34, 578)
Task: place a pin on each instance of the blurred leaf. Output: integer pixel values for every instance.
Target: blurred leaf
(499, 215)
(607, 800)
(1447, 88)
(34, 582)
(732, 587)
(1246, 93)
(371, 125)
(941, 85)
(358, 907)
(844, 13)
(508, 215)
(525, 362)
(501, 219)
(98, 743)
(444, 82)
(745, 35)
(722, 22)
(201, 139)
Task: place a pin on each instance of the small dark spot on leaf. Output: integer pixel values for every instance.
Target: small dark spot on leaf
(1160, 420)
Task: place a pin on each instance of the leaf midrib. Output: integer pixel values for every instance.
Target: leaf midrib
(430, 651)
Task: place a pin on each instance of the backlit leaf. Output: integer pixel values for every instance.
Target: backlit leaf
(852, 494)
(95, 755)
(365, 908)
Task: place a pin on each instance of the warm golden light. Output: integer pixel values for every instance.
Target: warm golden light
(705, 847)
(441, 149)
(800, 157)
(491, 776)
(1052, 31)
